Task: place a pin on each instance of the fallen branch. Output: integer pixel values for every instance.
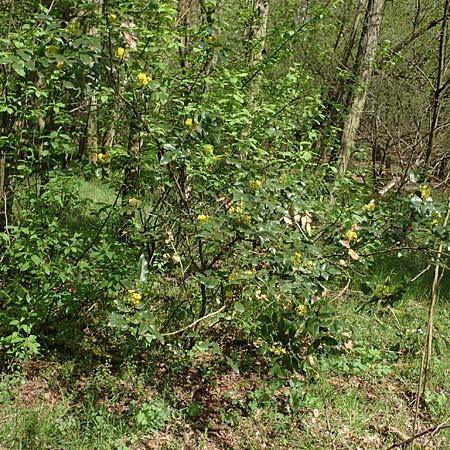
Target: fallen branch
(439, 427)
(171, 333)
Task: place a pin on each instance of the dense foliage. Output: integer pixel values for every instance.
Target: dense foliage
(168, 175)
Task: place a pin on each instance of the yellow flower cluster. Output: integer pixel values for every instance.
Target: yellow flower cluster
(277, 349)
(103, 158)
(350, 236)
(202, 218)
(120, 52)
(239, 213)
(143, 79)
(59, 65)
(253, 186)
(425, 191)
(134, 202)
(435, 216)
(133, 297)
(301, 310)
(297, 258)
(112, 17)
(370, 207)
(188, 123)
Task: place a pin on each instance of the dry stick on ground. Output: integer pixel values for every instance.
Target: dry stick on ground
(425, 363)
(194, 323)
(440, 427)
(433, 430)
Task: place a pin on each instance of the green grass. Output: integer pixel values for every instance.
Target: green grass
(361, 397)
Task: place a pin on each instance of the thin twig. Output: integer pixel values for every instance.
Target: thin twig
(421, 273)
(418, 435)
(340, 294)
(437, 429)
(194, 323)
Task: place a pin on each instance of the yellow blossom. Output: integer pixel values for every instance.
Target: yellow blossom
(143, 79)
(435, 216)
(134, 202)
(188, 123)
(253, 186)
(120, 52)
(277, 349)
(59, 65)
(133, 297)
(112, 17)
(301, 310)
(211, 38)
(202, 218)
(229, 295)
(370, 207)
(297, 258)
(239, 213)
(425, 191)
(350, 236)
(102, 158)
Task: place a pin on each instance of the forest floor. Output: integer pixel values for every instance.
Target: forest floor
(361, 398)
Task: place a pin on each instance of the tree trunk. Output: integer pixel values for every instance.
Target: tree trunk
(257, 32)
(189, 14)
(439, 86)
(362, 72)
(91, 126)
(339, 95)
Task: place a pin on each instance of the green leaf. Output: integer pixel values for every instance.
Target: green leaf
(239, 307)
(116, 320)
(166, 158)
(36, 259)
(143, 269)
(19, 69)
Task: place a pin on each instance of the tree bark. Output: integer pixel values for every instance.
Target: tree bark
(258, 31)
(438, 88)
(362, 72)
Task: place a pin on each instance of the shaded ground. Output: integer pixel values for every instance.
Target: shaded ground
(225, 409)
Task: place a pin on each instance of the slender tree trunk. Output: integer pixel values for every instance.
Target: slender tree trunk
(257, 32)
(91, 126)
(339, 94)
(438, 89)
(363, 72)
(91, 131)
(3, 191)
(189, 14)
